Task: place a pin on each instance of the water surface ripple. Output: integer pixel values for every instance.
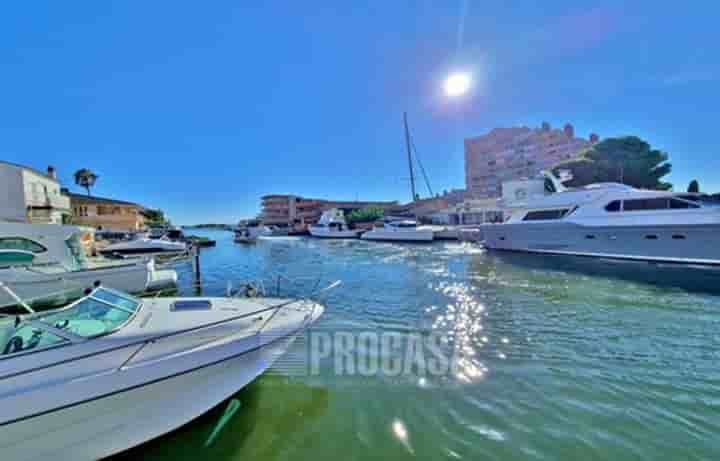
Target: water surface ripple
(558, 362)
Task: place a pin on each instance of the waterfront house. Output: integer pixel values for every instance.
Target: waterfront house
(105, 213)
(30, 195)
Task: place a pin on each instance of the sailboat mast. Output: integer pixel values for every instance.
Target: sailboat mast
(409, 155)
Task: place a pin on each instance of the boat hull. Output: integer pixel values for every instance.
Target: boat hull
(334, 234)
(385, 236)
(125, 418)
(63, 286)
(683, 244)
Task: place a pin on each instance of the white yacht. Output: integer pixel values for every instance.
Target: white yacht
(243, 235)
(611, 220)
(250, 231)
(48, 264)
(405, 230)
(144, 245)
(332, 224)
(110, 372)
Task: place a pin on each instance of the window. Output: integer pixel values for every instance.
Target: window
(680, 204)
(613, 206)
(544, 215)
(23, 244)
(651, 237)
(590, 236)
(14, 258)
(645, 204)
(26, 337)
(678, 237)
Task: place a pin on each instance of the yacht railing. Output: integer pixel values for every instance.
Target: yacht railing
(17, 298)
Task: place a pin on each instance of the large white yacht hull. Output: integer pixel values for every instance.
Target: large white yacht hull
(123, 419)
(144, 246)
(685, 244)
(379, 234)
(333, 234)
(51, 284)
(103, 402)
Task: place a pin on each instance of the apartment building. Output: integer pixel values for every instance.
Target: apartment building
(506, 154)
(30, 195)
(293, 210)
(105, 213)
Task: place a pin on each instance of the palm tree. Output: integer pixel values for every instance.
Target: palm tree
(85, 178)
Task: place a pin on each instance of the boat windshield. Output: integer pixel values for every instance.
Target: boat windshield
(100, 313)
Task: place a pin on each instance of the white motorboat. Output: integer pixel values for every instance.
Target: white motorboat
(243, 235)
(250, 231)
(48, 264)
(143, 245)
(612, 221)
(110, 372)
(332, 224)
(405, 230)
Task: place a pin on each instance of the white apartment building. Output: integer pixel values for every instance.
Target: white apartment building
(28, 195)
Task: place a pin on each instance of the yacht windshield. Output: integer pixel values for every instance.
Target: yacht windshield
(102, 312)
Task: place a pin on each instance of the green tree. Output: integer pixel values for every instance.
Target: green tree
(368, 214)
(628, 160)
(85, 178)
(694, 186)
(155, 217)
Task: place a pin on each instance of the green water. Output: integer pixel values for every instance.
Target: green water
(561, 360)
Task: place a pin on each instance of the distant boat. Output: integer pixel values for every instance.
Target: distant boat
(332, 224)
(250, 231)
(405, 230)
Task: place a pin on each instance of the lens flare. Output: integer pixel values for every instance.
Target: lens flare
(457, 84)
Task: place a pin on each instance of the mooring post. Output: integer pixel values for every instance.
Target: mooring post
(196, 265)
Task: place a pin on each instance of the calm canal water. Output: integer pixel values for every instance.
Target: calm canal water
(563, 361)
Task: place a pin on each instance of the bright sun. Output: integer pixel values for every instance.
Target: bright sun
(457, 84)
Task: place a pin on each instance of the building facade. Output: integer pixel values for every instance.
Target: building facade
(29, 195)
(106, 214)
(296, 211)
(506, 154)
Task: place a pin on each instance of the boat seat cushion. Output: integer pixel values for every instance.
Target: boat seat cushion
(87, 328)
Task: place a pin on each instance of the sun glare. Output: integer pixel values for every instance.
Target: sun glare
(457, 84)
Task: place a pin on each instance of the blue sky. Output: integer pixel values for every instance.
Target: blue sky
(201, 108)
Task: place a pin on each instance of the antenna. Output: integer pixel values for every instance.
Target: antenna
(422, 168)
(409, 155)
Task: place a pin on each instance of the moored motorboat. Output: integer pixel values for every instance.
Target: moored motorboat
(243, 235)
(49, 264)
(405, 230)
(613, 221)
(109, 372)
(332, 224)
(250, 231)
(145, 246)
